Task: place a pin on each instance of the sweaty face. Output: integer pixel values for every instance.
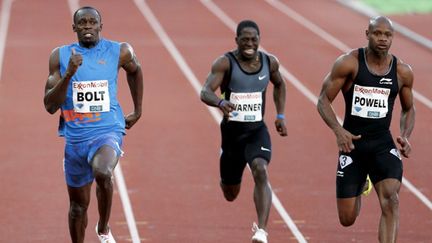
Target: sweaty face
(248, 42)
(380, 37)
(87, 25)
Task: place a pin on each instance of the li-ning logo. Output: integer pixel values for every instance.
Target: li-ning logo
(262, 77)
(385, 81)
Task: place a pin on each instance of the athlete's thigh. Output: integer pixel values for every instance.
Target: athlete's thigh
(387, 164)
(76, 168)
(351, 175)
(80, 195)
(232, 160)
(258, 145)
(105, 151)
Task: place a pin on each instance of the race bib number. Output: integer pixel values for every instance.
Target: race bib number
(248, 107)
(91, 96)
(370, 102)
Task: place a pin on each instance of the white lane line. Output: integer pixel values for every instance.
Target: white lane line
(4, 24)
(127, 206)
(118, 174)
(341, 46)
(73, 6)
(361, 8)
(169, 45)
(329, 38)
(187, 71)
(309, 25)
(417, 193)
(294, 81)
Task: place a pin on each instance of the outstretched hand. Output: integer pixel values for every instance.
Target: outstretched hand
(345, 140)
(131, 119)
(280, 127)
(405, 146)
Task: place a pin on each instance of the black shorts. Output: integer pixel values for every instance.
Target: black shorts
(376, 156)
(241, 144)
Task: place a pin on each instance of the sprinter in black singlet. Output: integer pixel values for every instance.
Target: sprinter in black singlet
(242, 76)
(370, 78)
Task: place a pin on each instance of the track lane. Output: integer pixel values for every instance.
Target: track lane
(236, 10)
(184, 33)
(330, 24)
(157, 166)
(34, 196)
(353, 35)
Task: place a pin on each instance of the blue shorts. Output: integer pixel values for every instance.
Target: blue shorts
(78, 156)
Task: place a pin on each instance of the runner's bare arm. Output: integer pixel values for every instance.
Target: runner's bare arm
(213, 82)
(134, 76)
(407, 120)
(343, 69)
(279, 94)
(56, 85)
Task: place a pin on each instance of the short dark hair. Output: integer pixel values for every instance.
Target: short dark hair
(87, 8)
(245, 24)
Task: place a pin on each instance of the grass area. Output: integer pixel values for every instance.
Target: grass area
(400, 6)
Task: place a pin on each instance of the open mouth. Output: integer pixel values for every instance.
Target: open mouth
(249, 51)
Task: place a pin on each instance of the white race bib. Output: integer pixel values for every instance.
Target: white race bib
(248, 107)
(91, 96)
(370, 102)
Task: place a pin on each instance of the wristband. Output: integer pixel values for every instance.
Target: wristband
(280, 116)
(220, 102)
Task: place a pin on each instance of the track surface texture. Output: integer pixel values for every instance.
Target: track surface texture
(171, 162)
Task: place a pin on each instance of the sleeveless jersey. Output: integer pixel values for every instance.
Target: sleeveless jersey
(369, 102)
(247, 90)
(91, 106)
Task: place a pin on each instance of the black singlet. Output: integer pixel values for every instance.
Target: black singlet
(369, 101)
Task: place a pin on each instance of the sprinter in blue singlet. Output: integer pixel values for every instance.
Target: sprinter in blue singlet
(82, 83)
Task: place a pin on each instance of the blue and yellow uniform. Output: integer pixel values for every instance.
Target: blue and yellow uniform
(91, 115)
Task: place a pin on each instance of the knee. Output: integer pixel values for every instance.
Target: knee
(230, 196)
(230, 192)
(103, 176)
(390, 204)
(76, 210)
(259, 171)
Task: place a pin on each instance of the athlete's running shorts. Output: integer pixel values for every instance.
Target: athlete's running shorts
(241, 144)
(375, 156)
(78, 156)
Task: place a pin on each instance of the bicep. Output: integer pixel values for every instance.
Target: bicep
(215, 77)
(342, 70)
(275, 75)
(128, 60)
(406, 78)
(54, 75)
(331, 86)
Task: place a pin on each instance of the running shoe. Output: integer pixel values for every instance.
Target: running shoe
(260, 236)
(105, 238)
(367, 186)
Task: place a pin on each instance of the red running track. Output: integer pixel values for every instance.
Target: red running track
(171, 160)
